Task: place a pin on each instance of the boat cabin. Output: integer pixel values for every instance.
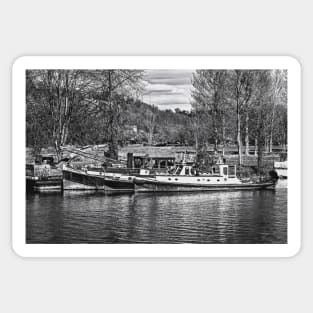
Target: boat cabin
(152, 162)
(220, 170)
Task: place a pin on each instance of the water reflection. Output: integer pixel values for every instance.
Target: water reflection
(211, 217)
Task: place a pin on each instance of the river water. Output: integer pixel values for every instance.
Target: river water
(202, 217)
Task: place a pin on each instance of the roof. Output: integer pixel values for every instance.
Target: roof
(154, 156)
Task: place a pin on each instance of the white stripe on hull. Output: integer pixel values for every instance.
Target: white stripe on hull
(157, 186)
(46, 188)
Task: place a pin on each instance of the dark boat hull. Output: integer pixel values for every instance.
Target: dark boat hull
(80, 181)
(146, 186)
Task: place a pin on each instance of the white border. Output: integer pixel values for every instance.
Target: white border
(156, 250)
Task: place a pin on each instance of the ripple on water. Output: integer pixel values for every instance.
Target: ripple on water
(207, 217)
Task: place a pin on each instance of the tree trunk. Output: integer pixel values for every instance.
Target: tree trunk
(58, 150)
(270, 147)
(261, 146)
(215, 132)
(260, 156)
(223, 135)
(262, 139)
(113, 135)
(247, 134)
(112, 129)
(272, 126)
(239, 136)
(196, 143)
(150, 140)
(113, 149)
(266, 144)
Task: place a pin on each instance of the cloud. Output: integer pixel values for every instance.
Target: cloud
(168, 88)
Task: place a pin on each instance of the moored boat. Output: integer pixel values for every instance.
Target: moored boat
(74, 179)
(186, 178)
(52, 183)
(42, 177)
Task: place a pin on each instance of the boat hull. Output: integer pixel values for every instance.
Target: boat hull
(73, 180)
(146, 186)
(52, 183)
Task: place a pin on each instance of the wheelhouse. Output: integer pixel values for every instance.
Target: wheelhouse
(221, 170)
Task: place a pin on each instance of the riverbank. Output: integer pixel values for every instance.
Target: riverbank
(141, 149)
(94, 156)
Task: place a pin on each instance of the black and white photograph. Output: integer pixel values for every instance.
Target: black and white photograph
(156, 156)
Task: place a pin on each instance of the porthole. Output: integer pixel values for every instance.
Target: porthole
(198, 179)
(176, 178)
(169, 179)
(225, 179)
(218, 180)
(208, 180)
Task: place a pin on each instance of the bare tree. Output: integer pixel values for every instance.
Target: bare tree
(243, 87)
(210, 91)
(59, 91)
(278, 96)
(150, 122)
(263, 110)
(195, 125)
(110, 89)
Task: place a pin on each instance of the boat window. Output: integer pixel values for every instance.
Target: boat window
(178, 170)
(218, 180)
(163, 164)
(176, 178)
(169, 179)
(215, 170)
(225, 179)
(170, 163)
(198, 179)
(225, 170)
(208, 180)
(187, 171)
(231, 171)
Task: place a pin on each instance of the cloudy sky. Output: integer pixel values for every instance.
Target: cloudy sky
(168, 89)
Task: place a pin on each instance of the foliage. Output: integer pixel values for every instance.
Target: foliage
(252, 103)
(82, 107)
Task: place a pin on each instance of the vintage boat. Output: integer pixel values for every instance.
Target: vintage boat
(98, 179)
(43, 177)
(186, 178)
(34, 183)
